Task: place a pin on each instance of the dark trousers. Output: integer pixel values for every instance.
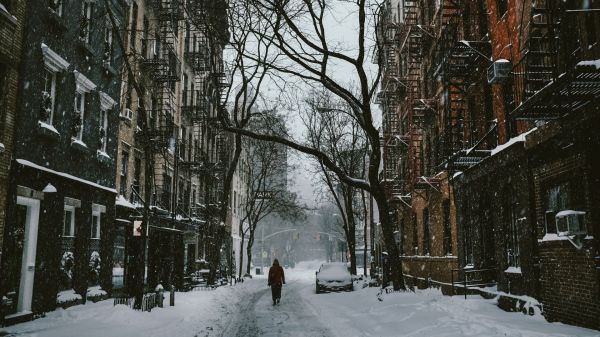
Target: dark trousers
(276, 291)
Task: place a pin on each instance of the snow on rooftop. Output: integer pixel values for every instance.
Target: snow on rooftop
(121, 201)
(64, 175)
(518, 139)
(594, 63)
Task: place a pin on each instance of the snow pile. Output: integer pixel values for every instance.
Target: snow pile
(95, 291)
(428, 313)
(121, 201)
(67, 296)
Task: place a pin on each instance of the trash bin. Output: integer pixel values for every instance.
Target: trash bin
(258, 271)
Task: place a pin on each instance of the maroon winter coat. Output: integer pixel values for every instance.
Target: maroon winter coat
(276, 275)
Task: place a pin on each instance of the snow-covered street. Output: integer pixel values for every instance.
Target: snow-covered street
(246, 310)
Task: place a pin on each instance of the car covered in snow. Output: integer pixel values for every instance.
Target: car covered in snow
(333, 276)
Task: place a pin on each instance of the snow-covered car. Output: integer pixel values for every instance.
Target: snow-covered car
(333, 276)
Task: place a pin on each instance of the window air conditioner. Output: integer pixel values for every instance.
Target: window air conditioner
(499, 71)
(569, 222)
(127, 114)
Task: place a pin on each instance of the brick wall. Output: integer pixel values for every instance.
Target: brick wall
(10, 50)
(569, 284)
(569, 277)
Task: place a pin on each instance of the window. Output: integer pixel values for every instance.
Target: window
(103, 130)
(48, 96)
(184, 95)
(447, 228)
(137, 171)
(561, 196)
(124, 171)
(69, 221)
(79, 115)
(133, 30)
(106, 104)
(84, 86)
(85, 24)
(95, 225)
(513, 251)
(501, 8)
(56, 6)
(415, 240)
(426, 239)
(108, 44)
(145, 30)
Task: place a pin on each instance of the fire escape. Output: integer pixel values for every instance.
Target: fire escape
(412, 39)
(463, 52)
(558, 73)
(207, 146)
(389, 96)
(161, 65)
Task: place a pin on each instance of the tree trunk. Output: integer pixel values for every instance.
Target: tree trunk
(385, 219)
(241, 255)
(351, 236)
(249, 252)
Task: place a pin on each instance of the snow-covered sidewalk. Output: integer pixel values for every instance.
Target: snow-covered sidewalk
(425, 313)
(197, 313)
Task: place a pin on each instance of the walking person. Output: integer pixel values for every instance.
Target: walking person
(276, 280)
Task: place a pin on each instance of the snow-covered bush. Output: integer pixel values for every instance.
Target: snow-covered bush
(94, 268)
(67, 264)
(96, 293)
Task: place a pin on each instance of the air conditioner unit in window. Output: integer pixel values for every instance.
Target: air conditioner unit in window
(569, 222)
(499, 71)
(127, 114)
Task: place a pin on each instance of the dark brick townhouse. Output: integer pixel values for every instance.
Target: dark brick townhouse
(507, 116)
(11, 24)
(61, 207)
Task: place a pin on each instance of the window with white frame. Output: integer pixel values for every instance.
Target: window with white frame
(103, 130)
(69, 221)
(96, 216)
(48, 96)
(79, 115)
(53, 65)
(106, 104)
(83, 88)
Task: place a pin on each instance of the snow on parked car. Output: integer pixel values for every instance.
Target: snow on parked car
(333, 276)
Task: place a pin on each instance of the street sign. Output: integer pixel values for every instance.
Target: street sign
(265, 195)
(137, 228)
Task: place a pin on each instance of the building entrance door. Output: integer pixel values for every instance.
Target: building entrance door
(28, 211)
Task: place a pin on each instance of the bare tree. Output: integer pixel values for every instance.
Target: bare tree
(266, 182)
(332, 129)
(304, 53)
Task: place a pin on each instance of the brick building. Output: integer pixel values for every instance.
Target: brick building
(176, 62)
(61, 189)
(11, 30)
(506, 115)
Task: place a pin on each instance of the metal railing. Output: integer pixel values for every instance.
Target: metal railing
(472, 278)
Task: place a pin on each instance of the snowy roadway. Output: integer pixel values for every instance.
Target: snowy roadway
(246, 310)
(292, 317)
